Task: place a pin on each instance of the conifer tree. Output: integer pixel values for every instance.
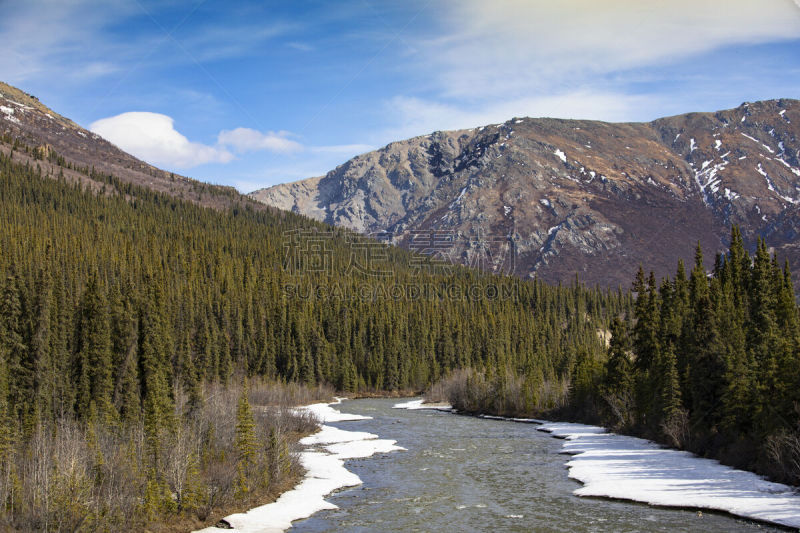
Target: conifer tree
(6, 425)
(154, 351)
(18, 367)
(40, 346)
(618, 366)
(763, 331)
(247, 445)
(94, 353)
(246, 441)
(669, 387)
(646, 330)
(736, 401)
(618, 384)
(61, 387)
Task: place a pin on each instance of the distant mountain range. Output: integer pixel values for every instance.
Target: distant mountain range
(577, 196)
(560, 196)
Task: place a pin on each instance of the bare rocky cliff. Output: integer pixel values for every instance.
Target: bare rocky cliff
(567, 196)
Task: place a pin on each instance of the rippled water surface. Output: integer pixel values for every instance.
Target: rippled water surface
(467, 474)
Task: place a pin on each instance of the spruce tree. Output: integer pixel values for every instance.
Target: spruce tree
(618, 383)
(41, 345)
(94, 353)
(705, 354)
(154, 353)
(247, 444)
(763, 335)
(669, 387)
(18, 367)
(7, 428)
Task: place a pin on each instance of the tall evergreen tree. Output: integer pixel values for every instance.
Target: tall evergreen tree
(618, 384)
(41, 345)
(95, 370)
(762, 333)
(154, 351)
(18, 364)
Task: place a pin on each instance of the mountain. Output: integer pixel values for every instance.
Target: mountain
(576, 196)
(42, 133)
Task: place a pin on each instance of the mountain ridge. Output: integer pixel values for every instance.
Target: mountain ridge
(25, 121)
(577, 196)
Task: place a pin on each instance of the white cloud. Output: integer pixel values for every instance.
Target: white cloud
(305, 47)
(513, 47)
(73, 41)
(216, 42)
(153, 138)
(249, 140)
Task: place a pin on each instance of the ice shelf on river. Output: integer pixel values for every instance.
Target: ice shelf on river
(419, 404)
(628, 468)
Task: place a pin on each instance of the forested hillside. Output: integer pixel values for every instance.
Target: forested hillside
(123, 308)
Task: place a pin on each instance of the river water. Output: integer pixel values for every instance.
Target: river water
(463, 474)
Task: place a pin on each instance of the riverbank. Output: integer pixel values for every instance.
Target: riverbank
(629, 468)
(323, 459)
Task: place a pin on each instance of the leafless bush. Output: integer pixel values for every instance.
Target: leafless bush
(783, 452)
(287, 420)
(465, 389)
(438, 392)
(676, 429)
(505, 394)
(552, 394)
(221, 476)
(288, 394)
(620, 405)
(181, 453)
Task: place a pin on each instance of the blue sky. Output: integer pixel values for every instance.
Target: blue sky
(251, 94)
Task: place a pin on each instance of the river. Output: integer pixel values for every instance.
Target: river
(462, 473)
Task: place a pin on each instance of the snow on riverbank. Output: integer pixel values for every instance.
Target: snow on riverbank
(325, 472)
(417, 404)
(617, 466)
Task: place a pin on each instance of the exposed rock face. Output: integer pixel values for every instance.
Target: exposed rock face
(577, 196)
